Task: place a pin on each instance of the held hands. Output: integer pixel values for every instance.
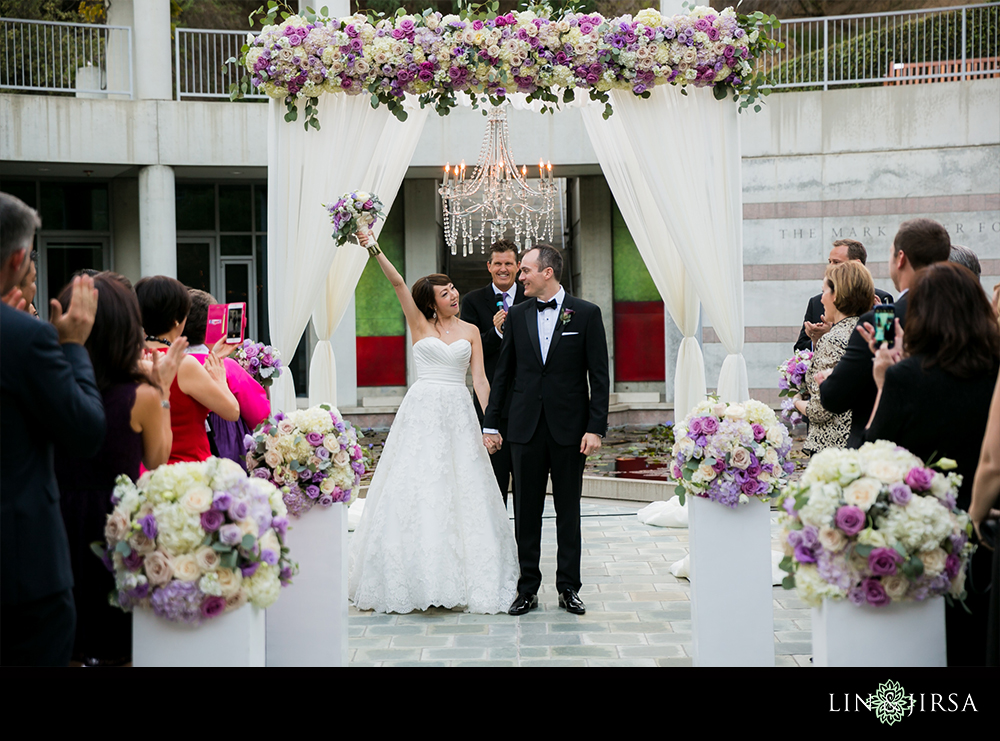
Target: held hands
(817, 330)
(590, 443)
(492, 441)
(75, 324)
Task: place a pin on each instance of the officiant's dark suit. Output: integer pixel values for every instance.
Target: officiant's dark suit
(479, 307)
(851, 386)
(550, 410)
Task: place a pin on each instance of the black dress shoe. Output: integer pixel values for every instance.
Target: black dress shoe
(523, 604)
(570, 601)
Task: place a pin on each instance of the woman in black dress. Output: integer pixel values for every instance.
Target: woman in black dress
(138, 431)
(933, 399)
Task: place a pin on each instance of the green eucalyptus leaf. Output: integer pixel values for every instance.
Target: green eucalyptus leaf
(123, 548)
(788, 582)
(220, 547)
(248, 542)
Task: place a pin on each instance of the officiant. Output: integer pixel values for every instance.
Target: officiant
(487, 308)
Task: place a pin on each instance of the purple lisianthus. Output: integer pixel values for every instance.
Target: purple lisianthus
(230, 534)
(250, 569)
(919, 478)
(326, 500)
(803, 554)
(314, 438)
(875, 593)
(900, 494)
(323, 454)
(312, 491)
(239, 509)
(856, 595)
(882, 561)
(794, 537)
(212, 520)
(810, 536)
(952, 565)
(789, 505)
(213, 607)
(222, 501)
(850, 519)
(280, 525)
(269, 556)
(788, 467)
(148, 524)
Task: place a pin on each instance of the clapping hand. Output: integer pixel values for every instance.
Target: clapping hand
(161, 368)
(15, 299)
(75, 324)
(817, 330)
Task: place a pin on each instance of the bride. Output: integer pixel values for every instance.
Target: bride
(434, 530)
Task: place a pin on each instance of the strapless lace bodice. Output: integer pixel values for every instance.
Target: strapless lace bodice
(439, 362)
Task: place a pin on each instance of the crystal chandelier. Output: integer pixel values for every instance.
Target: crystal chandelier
(497, 194)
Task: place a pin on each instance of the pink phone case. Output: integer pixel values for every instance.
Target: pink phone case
(215, 330)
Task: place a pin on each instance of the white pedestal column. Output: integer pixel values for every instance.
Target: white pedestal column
(233, 639)
(899, 634)
(307, 626)
(157, 221)
(731, 594)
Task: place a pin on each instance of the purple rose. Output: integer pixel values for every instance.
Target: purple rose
(900, 494)
(856, 595)
(230, 534)
(676, 472)
(326, 500)
(810, 536)
(312, 491)
(212, 520)
(758, 431)
(133, 561)
(875, 593)
(850, 519)
(222, 501)
(213, 607)
(794, 536)
(749, 487)
(709, 425)
(952, 565)
(719, 466)
(315, 439)
(239, 510)
(804, 555)
(149, 528)
(695, 428)
(919, 478)
(882, 561)
(261, 473)
(322, 453)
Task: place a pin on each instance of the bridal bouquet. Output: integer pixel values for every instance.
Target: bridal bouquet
(354, 211)
(311, 454)
(730, 452)
(875, 526)
(193, 541)
(261, 361)
(792, 376)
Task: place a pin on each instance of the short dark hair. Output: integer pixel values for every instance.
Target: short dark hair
(503, 245)
(197, 321)
(950, 321)
(18, 223)
(549, 257)
(163, 302)
(116, 341)
(855, 250)
(923, 241)
(965, 256)
(423, 292)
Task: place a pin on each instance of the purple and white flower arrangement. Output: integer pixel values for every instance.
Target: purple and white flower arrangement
(312, 455)
(261, 361)
(792, 376)
(193, 541)
(875, 526)
(352, 212)
(731, 453)
(436, 56)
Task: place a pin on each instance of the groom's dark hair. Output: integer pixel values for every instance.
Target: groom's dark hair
(550, 257)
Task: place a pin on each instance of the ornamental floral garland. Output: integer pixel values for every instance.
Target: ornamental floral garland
(437, 56)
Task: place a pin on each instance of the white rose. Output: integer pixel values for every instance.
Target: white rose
(863, 492)
(885, 471)
(895, 586)
(934, 561)
(771, 457)
(940, 486)
(207, 558)
(832, 539)
(775, 434)
(741, 459)
(704, 474)
(197, 499)
(186, 567)
(229, 581)
(736, 411)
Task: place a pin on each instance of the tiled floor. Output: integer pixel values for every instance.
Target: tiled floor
(637, 613)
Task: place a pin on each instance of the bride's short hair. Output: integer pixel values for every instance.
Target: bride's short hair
(423, 292)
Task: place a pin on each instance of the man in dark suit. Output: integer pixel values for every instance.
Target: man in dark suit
(487, 308)
(851, 386)
(813, 325)
(552, 346)
(47, 394)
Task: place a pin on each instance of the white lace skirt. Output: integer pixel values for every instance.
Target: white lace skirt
(434, 530)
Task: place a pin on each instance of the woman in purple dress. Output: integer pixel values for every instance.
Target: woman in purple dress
(136, 405)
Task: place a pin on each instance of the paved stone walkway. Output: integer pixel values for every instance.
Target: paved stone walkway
(638, 614)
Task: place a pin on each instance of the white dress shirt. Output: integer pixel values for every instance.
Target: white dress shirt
(547, 323)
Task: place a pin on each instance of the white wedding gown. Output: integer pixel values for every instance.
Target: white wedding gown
(434, 530)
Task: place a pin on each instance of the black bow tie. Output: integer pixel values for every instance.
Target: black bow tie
(543, 305)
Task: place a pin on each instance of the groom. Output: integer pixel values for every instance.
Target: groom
(552, 343)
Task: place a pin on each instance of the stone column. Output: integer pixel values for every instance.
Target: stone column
(125, 229)
(593, 248)
(157, 221)
(151, 52)
(420, 239)
(345, 350)
(672, 7)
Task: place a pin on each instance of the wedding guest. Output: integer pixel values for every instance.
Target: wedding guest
(848, 292)
(487, 308)
(137, 410)
(227, 437)
(48, 395)
(917, 244)
(29, 285)
(965, 256)
(815, 325)
(938, 380)
(985, 506)
(164, 303)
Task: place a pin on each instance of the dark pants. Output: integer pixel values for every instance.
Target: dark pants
(533, 462)
(503, 467)
(38, 633)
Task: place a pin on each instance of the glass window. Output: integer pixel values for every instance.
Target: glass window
(195, 207)
(261, 207)
(235, 212)
(237, 283)
(23, 189)
(194, 265)
(263, 329)
(63, 259)
(75, 206)
(299, 367)
(240, 244)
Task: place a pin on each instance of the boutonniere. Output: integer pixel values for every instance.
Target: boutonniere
(566, 316)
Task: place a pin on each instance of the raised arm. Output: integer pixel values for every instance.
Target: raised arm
(415, 320)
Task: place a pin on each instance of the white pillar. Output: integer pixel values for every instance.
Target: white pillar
(337, 8)
(420, 239)
(157, 221)
(151, 56)
(125, 229)
(345, 350)
(672, 7)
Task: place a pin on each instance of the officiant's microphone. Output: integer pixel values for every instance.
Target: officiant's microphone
(502, 305)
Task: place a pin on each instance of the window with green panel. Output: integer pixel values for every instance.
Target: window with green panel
(378, 313)
(632, 281)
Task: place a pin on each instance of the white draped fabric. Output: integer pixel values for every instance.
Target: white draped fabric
(305, 170)
(687, 149)
(620, 164)
(388, 165)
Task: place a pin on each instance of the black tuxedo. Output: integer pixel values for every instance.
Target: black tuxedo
(49, 396)
(479, 307)
(550, 411)
(814, 312)
(851, 385)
